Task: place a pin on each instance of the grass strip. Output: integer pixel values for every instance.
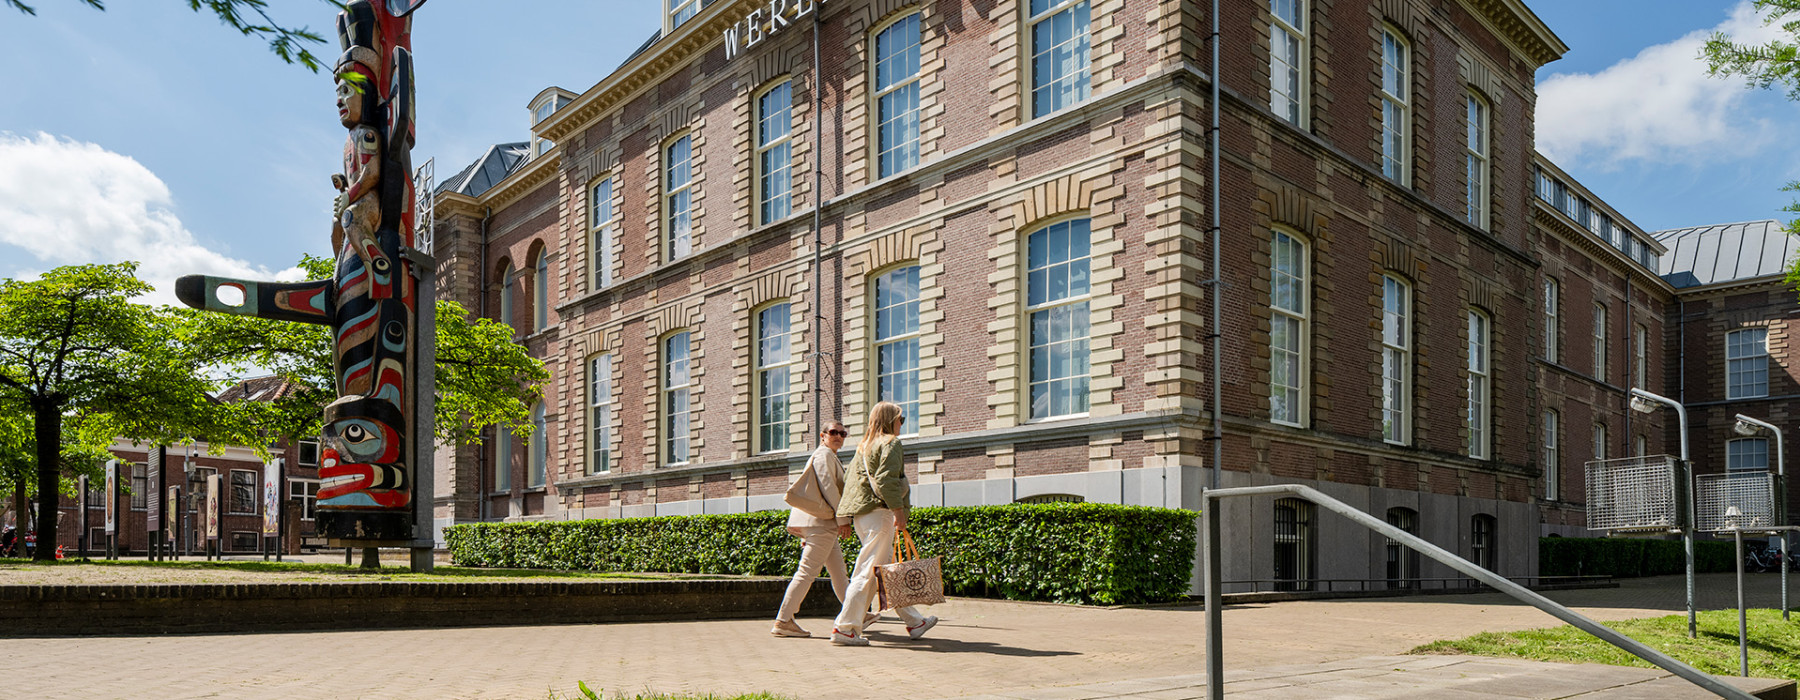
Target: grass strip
(1774, 643)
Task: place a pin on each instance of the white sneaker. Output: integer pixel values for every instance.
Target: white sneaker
(838, 638)
(920, 629)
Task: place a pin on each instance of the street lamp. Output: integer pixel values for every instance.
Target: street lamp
(1646, 402)
(1750, 427)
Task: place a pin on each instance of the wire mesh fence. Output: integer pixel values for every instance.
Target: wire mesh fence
(1634, 493)
(1752, 493)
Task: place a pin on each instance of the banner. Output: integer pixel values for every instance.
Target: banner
(153, 478)
(212, 507)
(112, 497)
(272, 499)
(172, 514)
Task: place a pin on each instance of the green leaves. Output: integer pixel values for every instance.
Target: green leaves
(290, 45)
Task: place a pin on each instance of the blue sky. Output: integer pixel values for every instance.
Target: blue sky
(152, 133)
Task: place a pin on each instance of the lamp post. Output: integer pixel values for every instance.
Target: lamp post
(1732, 513)
(1646, 402)
(1748, 427)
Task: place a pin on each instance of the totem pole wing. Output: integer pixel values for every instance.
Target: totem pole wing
(301, 302)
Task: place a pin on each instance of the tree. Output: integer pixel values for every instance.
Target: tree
(85, 440)
(73, 344)
(1765, 66)
(288, 44)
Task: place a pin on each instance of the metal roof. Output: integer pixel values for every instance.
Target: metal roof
(1705, 255)
(488, 170)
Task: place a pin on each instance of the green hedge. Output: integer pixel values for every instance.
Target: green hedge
(1077, 553)
(1627, 557)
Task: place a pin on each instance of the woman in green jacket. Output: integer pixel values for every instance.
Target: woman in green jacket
(876, 499)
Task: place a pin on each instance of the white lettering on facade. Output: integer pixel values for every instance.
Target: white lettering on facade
(731, 42)
(777, 8)
(754, 21)
(764, 22)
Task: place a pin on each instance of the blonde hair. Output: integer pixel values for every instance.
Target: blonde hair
(883, 426)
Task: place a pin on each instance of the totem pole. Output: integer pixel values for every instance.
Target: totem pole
(371, 439)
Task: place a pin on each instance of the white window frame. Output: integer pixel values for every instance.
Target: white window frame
(1602, 441)
(876, 109)
(601, 215)
(774, 360)
(1552, 448)
(676, 378)
(1640, 351)
(231, 492)
(1396, 115)
(1747, 359)
(1396, 360)
(1479, 371)
(1475, 156)
(1288, 402)
(1081, 84)
(503, 481)
(678, 12)
(1289, 32)
(537, 456)
(1747, 454)
(300, 453)
(507, 277)
(540, 291)
(1600, 341)
(600, 404)
(773, 184)
(305, 492)
(140, 486)
(1076, 345)
(1552, 321)
(678, 221)
(904, 339)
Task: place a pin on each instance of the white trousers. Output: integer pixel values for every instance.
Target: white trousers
(818, 548)
(876, 530)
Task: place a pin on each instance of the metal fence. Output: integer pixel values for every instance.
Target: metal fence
(1751, 492)
(1415, 585)
(1634, 493)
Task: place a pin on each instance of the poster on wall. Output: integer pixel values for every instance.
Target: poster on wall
(112, 497)
(271, 499)
(153, 489)
(212, 506)
(173, 512)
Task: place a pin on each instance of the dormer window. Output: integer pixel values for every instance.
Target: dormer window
(680, 11)
(546, 104)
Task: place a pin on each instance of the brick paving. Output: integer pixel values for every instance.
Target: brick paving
(982, 647)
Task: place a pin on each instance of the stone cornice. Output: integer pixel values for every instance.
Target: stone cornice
(1520, 28)
(453, 203)
(1557, 223)
(523, 180)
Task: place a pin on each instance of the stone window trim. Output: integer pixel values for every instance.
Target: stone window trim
(1552, 320)
(670, 388)
(1747, 454)
(1640, 351)
(1747, 362)
(1602, 441)
(876, 92)
(871, 286)
(537, 457)
(1478, 370)
(1395, 92)
(601, 391)
(1601, 343)
(603, 229)
(759, 149)
(540, 287)
(759, 367)
(1290, 108)
(673, 243)
(1295, 340)
(503, 452)
(1552, 455)
(1080, 11)
(1396, 356)
(1027, 310)
(1478, 160)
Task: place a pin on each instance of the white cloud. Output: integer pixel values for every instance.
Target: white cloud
(67, 202)
(1657, 106)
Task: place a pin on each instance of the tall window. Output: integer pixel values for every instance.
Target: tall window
(1293, 545)
(676, 382)
(506, 297)
(540, 292)
(1059, 54)
(1552, 321)
(503, 454)
(1395, 126)
(897, 341)
(1600, 441)
(1600, 341)
(1402, 561)
(538, 461)
(1481, 540)
(1747, 363)
(1288, 287)
(774, 361)
(678, 196)
(1057, 283)
(600, 413)
(1475, 161)
(1747, 454)
(1640, 352)
(1643, 446)
(775, 152)
(1287, 58)
(1480, 410)
(140, 487)
(243, 492)
(1552, 457)
(603, 233)
(1396, 360)
(681, 11)
(897, 96)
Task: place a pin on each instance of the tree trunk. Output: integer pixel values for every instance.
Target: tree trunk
(21, 512)
(47, 417)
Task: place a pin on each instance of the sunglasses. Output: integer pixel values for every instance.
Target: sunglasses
(837, 433)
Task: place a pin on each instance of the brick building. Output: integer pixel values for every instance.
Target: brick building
(997, 214)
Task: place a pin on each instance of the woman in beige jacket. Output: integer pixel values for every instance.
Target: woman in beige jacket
(818, 536)
(877, 497)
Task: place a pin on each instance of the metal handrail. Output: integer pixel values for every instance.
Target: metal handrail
(1415, 583)
(1210, 557)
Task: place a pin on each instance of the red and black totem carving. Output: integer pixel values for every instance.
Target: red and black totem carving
(366, 478)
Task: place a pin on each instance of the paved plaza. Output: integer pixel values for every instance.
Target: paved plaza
(982, 648)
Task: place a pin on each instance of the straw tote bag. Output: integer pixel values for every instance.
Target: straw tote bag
(909, 580)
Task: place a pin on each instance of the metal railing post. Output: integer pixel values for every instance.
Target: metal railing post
(1215, 619)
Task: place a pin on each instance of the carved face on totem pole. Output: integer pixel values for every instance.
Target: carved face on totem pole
(365, 490)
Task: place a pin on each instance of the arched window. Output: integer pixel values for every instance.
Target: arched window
(1396, 360)
(1289, 288)
(1293, 555)
(1482, 529)
(540, 292)
(1402, 561)
(540, 449)
(1057, 289)
(896, 76)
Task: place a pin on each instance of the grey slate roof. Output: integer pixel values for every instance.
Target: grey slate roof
(1704, 255)
(488, 170)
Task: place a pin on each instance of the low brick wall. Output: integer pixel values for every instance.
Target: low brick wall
(56, 611)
